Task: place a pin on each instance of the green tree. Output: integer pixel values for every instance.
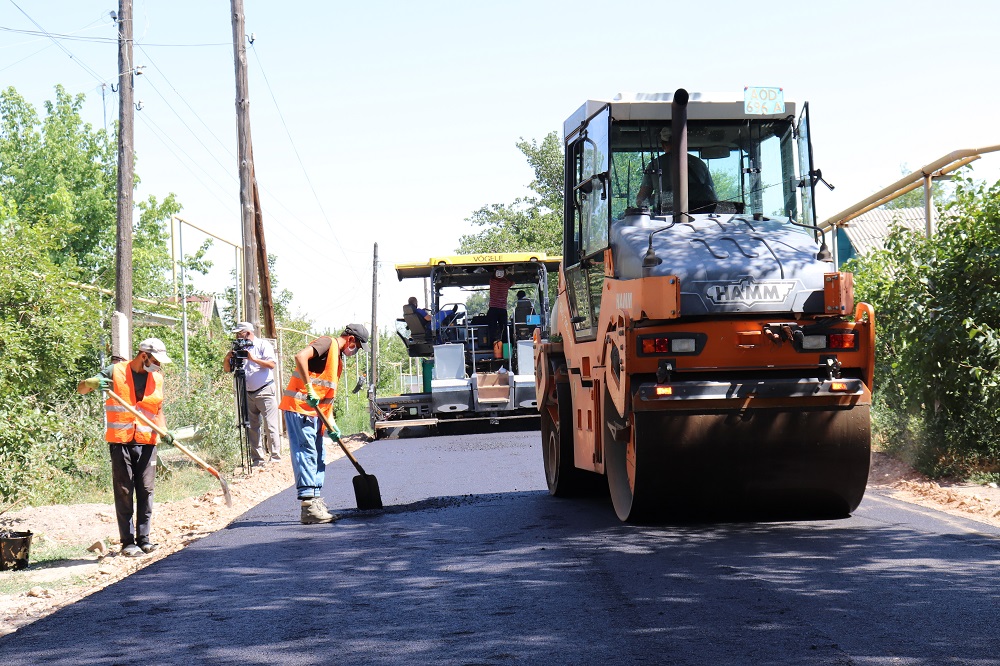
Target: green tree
(937, 307)
(61, 174)
(531, 223)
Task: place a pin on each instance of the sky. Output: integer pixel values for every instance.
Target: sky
(391, 122)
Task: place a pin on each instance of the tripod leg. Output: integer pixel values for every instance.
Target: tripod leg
(242, 413)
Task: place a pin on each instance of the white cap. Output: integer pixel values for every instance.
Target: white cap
(243, 326)
(155, 348)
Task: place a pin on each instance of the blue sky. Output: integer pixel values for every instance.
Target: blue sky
(399, 119)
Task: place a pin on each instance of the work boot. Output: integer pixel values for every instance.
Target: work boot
(148, 547)
(314, 511)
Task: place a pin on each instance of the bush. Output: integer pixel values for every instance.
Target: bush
(206, 400)
(937, 305)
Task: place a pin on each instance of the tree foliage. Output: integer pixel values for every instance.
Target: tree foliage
(61, 175)
(58, 185)
(937, 305)
(530, 223)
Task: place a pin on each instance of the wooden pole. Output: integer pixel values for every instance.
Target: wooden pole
(122, 341)
(373, 373)
(245, 157)
(263, 268)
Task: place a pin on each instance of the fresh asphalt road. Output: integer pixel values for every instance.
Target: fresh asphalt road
(473, 563)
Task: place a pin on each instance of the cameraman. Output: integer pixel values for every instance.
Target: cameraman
(256, 357)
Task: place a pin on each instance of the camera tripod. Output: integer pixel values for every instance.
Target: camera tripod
(242, 414)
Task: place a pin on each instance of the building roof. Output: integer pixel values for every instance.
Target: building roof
(207, 306)
(866, 232)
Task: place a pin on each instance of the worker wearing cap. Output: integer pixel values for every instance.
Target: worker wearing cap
(133, 443)
(313, 387)
(657, 178)
(262, 397)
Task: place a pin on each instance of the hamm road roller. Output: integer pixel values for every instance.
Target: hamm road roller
(704, 352)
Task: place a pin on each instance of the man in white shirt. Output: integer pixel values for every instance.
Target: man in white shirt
(262, 399)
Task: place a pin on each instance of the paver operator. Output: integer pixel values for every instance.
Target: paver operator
(313, 386)
(496, 315)
(133, 443)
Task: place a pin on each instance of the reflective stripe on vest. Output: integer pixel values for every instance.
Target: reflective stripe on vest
(122, 426)
(293, 398)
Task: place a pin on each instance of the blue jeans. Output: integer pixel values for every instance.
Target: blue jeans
(305, 439)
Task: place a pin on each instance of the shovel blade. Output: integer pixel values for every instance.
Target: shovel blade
(366, 492)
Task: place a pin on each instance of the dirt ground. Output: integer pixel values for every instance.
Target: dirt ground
(49, 587)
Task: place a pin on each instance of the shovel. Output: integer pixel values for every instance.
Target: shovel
(183, 449)
(365, 485)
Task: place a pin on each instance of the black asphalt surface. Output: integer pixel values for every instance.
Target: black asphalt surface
(473, 563)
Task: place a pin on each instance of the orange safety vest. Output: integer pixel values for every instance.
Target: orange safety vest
(123, 427)
(293, 399)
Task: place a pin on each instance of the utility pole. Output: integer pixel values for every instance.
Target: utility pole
(264, 270)
(121, 329)
(373, 373)
(250, 291)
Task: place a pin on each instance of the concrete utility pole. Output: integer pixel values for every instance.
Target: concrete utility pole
(121, 330)
(250, 291)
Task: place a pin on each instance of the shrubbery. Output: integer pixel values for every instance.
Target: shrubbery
(937, 307)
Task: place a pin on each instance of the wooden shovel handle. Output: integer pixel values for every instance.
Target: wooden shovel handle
(180, 447)
(350, 456)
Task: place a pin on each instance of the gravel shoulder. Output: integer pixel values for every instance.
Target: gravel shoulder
(46, 587)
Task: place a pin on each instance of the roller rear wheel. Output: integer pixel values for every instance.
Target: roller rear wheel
(562, 477)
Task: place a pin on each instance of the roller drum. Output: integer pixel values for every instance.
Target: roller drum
(800, 462)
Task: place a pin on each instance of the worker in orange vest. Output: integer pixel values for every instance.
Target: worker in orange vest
(313, 387)
(133, 443)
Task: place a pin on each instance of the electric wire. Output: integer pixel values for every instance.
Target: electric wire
(170, 144)
(164, 137)
(30, 55)
(265, 190)
(65, 50)
(105, 40)
(298, 157)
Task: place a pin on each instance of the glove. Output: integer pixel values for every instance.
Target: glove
(334, 430)
(98, 383)
(311, 396)
(167, 438)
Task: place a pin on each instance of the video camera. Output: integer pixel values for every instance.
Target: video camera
(241, 348)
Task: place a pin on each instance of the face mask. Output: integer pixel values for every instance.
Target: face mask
(152, 367)
(499, 274)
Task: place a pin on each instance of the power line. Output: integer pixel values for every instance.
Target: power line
(108, 40)
(299, 158)
(265, 190)
(65, 50)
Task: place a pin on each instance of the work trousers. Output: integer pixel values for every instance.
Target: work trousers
(133, 470)
(305, 439)
(263, 403)
(496, 319)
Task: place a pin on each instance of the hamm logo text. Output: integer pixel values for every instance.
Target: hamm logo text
(747, 291)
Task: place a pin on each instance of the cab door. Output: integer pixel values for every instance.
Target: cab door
(807, 173)
(587, 220)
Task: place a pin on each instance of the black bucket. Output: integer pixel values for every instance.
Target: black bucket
(14, 547)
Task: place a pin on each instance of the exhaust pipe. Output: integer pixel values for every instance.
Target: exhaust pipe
(678, 152)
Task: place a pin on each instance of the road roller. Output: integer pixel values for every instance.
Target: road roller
(704, 352)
